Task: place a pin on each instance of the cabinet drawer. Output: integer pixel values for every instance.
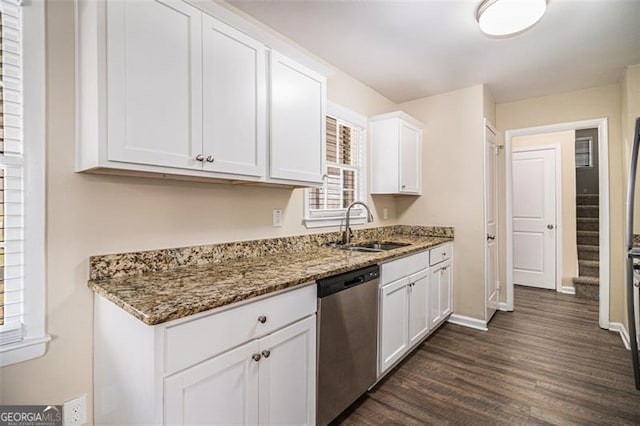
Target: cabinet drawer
(194, 341)
(400, 268)
(440, 254)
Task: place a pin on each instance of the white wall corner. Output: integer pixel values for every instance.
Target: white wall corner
(468, 322)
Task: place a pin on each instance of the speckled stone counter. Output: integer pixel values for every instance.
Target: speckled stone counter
(163, 285)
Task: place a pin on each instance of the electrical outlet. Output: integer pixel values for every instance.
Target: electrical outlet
(74, 412)
(277, 217)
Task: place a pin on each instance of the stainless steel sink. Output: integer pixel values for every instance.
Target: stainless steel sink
(371, 247)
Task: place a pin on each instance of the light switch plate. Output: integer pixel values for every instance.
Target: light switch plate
(385, 213)
(277, 217)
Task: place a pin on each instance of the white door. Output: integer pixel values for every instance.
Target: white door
(435, 280)
(491, 218)
(288, 375)
(410, 158)
(393, 322)
(234, 100)
(298, 110)
(221, 390)
(446, 294)
(154, 82)
(534, 217)
(418, 306)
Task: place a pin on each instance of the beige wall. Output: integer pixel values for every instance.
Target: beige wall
(452, 187)
(579, 105)
(630, 110)
(91, 214)
(566, 141)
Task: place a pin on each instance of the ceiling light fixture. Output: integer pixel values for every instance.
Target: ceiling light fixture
(506, 18)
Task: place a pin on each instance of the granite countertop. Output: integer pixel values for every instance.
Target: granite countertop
(177, 292)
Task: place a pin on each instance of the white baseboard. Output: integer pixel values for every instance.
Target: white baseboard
(502, 306)
(618, 327)
(567, 290)
(468, 322)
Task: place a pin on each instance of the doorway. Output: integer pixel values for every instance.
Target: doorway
(603, 202)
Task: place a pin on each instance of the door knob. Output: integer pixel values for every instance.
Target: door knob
(549, 226)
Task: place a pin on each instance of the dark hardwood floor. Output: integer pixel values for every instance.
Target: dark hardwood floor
(547, 362)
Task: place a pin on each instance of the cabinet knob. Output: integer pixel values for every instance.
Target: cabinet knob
(256, 357)
(266, 353)
(199, 157)
(444, 254)
(262, 319)
(210, 159)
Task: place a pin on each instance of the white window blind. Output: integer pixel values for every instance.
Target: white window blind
(344, 163)
(584, 155)
(11, 175)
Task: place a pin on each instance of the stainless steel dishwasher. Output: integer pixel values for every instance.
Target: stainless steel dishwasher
(347, 339)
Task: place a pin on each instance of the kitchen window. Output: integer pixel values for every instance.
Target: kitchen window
(345, 177)
(22, 162)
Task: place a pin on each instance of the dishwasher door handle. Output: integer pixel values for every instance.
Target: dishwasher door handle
(355, 281)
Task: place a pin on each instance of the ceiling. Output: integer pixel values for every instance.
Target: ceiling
(411, 49)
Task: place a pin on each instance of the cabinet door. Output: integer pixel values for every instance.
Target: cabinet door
(222, 390)
(410, 158)
(435, 280)
(234, 100)
(418, 306)
(297, 121)
(393, 323)
(154, 82)
(446, 291)
(288, 375)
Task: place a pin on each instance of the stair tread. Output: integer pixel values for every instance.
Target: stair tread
(586, 281)
(588, 247)
(590, 233)
(587, 262)
(588, 219)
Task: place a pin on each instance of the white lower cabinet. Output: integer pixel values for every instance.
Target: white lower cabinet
(440, 293)
(266, 381)
(222, 390)
(415, 298)
(250, 364)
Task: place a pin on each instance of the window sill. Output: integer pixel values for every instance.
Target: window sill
(324, 222)
(23, 351)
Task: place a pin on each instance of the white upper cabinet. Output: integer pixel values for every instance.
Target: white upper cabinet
(165, 88)
(234, 100)
(154, 82)
(396, 154)
(298, 110)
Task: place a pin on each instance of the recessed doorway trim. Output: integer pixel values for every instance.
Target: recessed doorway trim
(603, 181)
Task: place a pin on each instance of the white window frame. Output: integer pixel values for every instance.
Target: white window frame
(320, 219)
(35, 338)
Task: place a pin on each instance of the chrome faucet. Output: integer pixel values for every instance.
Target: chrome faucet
(346, 237)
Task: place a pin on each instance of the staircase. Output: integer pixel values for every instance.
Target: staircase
(587, 283)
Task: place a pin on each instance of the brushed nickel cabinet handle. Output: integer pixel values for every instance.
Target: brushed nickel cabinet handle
(266, 353)
(210, 159)
(262, 319)
(256, 357)
(199, 157)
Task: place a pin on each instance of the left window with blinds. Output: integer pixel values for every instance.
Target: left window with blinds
(22, 89)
